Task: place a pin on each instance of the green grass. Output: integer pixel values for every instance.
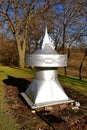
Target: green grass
(74, 83)
(6, 121)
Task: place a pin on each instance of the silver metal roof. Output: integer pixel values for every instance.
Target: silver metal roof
(46, 56)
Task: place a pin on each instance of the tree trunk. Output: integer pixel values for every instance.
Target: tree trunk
(21, 52)
(65, 71)
(21, 60)
(64, 37)
(63, 45)
(81, 65)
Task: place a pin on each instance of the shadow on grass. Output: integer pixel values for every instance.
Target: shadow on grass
(21, 83)
(1, 71)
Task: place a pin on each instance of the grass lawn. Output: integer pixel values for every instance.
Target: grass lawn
(6, 121)
(74, 83)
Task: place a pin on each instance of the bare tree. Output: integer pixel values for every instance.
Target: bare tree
(18, 16)
(84, 50)
(69, 25)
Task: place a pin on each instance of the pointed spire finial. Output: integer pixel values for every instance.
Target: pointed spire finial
(47, 40)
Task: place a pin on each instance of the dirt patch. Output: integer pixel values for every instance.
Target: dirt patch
(59, 117)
